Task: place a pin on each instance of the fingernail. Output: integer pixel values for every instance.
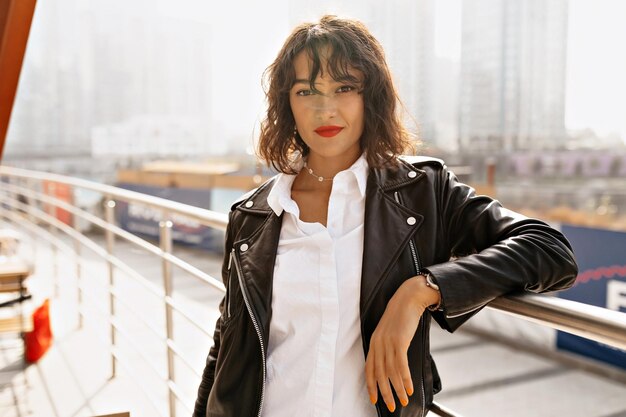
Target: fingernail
(404, 402)
(391, 407)
(410, 391)
(372, 399)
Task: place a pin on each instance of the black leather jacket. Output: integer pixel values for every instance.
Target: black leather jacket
(475, 249)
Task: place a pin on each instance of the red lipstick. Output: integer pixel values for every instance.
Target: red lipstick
(328, 131)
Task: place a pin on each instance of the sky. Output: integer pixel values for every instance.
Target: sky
(596, 67)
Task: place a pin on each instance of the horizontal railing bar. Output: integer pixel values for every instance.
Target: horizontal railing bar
(85, 308)
(91, 245)
(178, 308)
(442, 411)
(144, 244)
(197, 273)
(183, 399)
(116, 351)
(157, 332)
(124, 234)
(591, 322)
(131, 373)
(179, 354)
(43, 233)
(121, 330)
(206, 217)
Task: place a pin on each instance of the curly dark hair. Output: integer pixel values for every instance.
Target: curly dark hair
(351, 46)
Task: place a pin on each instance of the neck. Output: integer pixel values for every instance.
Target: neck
(329, 167)
(322, 167)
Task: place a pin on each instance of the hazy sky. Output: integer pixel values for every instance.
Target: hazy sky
(596, 68)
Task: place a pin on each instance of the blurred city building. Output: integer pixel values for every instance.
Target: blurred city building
(513, 60)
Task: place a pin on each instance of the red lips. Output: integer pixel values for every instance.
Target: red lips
(328, 131)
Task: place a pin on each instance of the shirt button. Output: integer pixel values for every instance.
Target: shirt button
(243, 247)
(412, 174)
(249, 204)
(411, 221)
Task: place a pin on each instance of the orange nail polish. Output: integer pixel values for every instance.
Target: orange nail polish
(404, 403)
(391, 407)
(409, 391)
(372, 399)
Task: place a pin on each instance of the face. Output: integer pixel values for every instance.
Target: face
(329, 121)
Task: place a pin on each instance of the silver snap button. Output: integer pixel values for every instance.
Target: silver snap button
(243, 247)
(249, 204)
(412, 174)
(411, 221)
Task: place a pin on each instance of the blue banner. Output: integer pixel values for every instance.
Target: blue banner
(144, 220)
(601, 256)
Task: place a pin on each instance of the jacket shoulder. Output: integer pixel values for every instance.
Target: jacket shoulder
(245, 197)
(418, 161)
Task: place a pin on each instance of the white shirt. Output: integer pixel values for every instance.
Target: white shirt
(315, 361)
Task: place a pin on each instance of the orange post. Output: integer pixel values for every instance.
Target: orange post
(15, 19)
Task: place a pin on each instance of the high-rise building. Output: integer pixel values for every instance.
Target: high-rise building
(513, 58)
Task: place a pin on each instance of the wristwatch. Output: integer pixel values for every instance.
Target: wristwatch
(431, 283)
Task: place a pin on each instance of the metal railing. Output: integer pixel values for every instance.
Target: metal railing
(591, 322)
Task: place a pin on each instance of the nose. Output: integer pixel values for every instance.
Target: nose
(324, 105)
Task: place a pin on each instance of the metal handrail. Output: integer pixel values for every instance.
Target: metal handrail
(168, 208)
(595, 323)
(118, 231)
(591, 322)
(206, 217)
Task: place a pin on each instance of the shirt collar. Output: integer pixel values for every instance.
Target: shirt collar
(281, 190)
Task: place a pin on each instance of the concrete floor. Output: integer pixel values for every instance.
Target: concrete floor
(480, 377)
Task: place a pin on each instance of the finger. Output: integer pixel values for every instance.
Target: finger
(383, 381)
(405, 371)
(370, 378)
(396, 379)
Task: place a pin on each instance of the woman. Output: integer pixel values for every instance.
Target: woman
(335, 267)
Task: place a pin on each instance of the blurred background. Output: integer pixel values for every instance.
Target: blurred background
(526, 98)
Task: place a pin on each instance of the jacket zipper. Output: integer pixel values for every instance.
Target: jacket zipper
(254, 322)
(230, 261)
(418, 269)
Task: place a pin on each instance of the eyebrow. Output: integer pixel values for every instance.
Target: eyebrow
(307, 82)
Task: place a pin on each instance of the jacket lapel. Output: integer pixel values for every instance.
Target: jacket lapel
(259, 232)
(388, 226)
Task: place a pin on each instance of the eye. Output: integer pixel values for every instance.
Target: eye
(346, 89)
(304, 93)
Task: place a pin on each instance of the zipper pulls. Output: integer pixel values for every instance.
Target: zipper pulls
(414, 254)
(230, 258)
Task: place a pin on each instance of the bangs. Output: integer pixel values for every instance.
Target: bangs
(338, 64)
(327, 53)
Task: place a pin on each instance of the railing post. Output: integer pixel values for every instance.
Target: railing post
(31, 205)
(77, 254)
(109, 213)
(165, 234)
(52, 211)
(55, 265)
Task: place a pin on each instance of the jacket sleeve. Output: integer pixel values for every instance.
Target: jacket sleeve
(209, 370)
(496, 251)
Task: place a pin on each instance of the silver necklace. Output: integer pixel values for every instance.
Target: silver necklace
(320, 179)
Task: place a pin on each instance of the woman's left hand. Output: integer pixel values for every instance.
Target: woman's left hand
(387, 357)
